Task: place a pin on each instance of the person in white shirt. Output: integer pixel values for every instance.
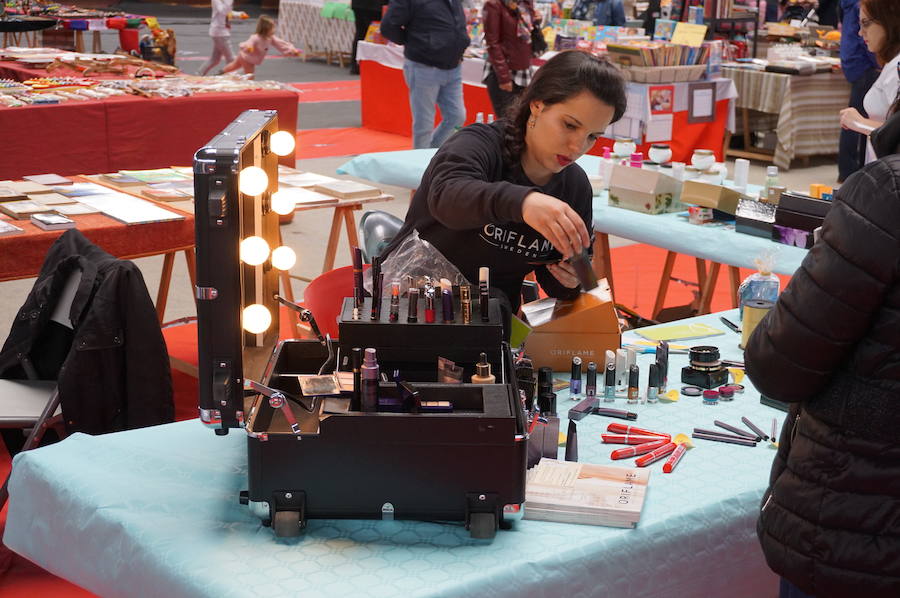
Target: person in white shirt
(879, 25)
(220, 32)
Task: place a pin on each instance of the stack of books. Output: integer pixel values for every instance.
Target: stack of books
(570, 492)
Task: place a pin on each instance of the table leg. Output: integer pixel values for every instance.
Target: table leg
(190, 261)
(603, 260)
(79, 41)
(350, 226)
(333, 238)
(745, 123)
(664, 281)
(708, 287)
(162, 295)
(97, 46)
(734, 275)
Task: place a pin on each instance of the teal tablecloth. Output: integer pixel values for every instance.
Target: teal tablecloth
(719, 243)
(154, 512)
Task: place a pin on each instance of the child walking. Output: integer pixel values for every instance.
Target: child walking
(220, 32)
(254, 50)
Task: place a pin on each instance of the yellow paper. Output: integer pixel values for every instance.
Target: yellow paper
(518, 332)
(737, 374)
(670, 397)
(679, 332)
(689, 34)
(683, 439)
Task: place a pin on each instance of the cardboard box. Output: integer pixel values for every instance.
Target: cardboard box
(642, 190)
(586, 327)
(708, 195)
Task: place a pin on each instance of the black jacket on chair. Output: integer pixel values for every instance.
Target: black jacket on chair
(115, 375)
(830, 520)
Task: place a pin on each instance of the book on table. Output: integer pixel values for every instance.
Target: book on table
(75, 209)
(121, 180)
(306, 197)
(26, 187)
(166, 194)
(8, 228)
(50, 180)
(22, 210)
(51, 199)
(10, 194)
(571, 492)
(345, 189)
(51, 221)
(303, 179)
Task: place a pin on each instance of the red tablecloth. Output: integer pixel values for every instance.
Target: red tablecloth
(385, 107)
(21, 255)
(126, 132)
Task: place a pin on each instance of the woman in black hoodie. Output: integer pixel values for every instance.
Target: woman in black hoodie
(830, 520)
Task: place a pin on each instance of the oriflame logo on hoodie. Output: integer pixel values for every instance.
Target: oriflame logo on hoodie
(531, 246)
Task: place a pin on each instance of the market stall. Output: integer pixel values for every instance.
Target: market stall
(320, 29)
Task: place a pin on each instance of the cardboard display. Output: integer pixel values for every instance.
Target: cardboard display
(586, 327)
(642, 190)
(708, 195)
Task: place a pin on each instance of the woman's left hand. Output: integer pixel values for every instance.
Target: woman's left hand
(564, 273)
(850, 118)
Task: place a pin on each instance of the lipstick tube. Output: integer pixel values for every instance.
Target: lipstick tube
(483, 295)
(628, 438)
(617, 428)
(429, 306)
(447, 304)
(609, 386)
(394, 314)
(412, 313)
(640, 449)
(376, 288)
(465, 300)
(575, 381)
(591, 385)
(672, 461)
(655, 455)
(356, 361)
(358, 292)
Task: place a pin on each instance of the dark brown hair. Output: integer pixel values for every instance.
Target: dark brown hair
(887, 14)
(562, 77)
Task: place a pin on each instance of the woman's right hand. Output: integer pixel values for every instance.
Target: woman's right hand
(557, 222)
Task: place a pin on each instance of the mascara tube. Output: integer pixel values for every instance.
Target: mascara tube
(484, 275)
(609, 383)
(356, 361)
(591, 386)
(377, 302)
(376, 290)
(412, 314)
(395, 302)
(358, 292)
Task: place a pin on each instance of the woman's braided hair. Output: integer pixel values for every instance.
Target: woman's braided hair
(565, 75)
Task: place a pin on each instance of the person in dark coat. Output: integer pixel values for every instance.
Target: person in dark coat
(507, 35)
(830, 519)
(364, 13)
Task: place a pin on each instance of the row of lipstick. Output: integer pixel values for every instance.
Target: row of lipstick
(620, 366)
(429, 294)
(649, 446)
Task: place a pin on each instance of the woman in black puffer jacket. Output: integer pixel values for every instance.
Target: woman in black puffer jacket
(830, 520)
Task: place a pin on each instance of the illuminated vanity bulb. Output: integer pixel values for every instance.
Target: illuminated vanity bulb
(282, 202)
(254, 251)
(253, 180)
(284, 258)
(256, 318)
(282, 143)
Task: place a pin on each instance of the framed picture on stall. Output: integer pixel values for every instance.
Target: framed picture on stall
(701, 102)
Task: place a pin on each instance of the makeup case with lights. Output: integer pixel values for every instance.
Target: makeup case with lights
(305, 460)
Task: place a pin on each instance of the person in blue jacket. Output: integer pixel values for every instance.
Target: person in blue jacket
(601, 12)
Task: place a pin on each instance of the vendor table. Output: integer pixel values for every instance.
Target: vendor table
(301, 23)
(22, 255)
(157, 509)
(718, 243)
(385, 106)
(126, 132)
(18, 72)
(807, 108)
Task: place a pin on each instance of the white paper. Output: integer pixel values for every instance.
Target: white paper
(129, 209)
(637, 101)
(659, 128)
(703, 103)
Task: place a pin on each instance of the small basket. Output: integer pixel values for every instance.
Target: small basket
(663, 74)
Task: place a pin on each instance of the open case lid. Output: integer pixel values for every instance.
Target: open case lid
(235, 176)
(591, 313)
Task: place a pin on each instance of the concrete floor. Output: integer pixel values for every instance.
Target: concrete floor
(308, 232)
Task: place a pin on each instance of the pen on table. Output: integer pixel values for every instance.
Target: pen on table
(734, 327)
(756, 430)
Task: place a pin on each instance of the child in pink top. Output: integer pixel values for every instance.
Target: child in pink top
(254, 50)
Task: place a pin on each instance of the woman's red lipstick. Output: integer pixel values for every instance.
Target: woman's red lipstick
(563, 161)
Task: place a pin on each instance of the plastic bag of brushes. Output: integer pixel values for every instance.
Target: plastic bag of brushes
(416, 258)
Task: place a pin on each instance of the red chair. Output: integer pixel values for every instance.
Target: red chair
(325, 294)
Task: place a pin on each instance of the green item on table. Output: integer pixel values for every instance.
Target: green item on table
(518, 332)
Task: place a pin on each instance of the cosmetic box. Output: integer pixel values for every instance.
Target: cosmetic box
(643, 190)
(796, 217)
(754, 217)
(707, 195)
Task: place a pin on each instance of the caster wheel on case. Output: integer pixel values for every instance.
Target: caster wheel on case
(482, 526)
(286, 524)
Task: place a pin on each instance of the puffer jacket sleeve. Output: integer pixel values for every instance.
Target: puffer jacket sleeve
(833, 298)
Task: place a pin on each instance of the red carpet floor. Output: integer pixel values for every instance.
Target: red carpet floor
(323, 143)
(328, 91)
